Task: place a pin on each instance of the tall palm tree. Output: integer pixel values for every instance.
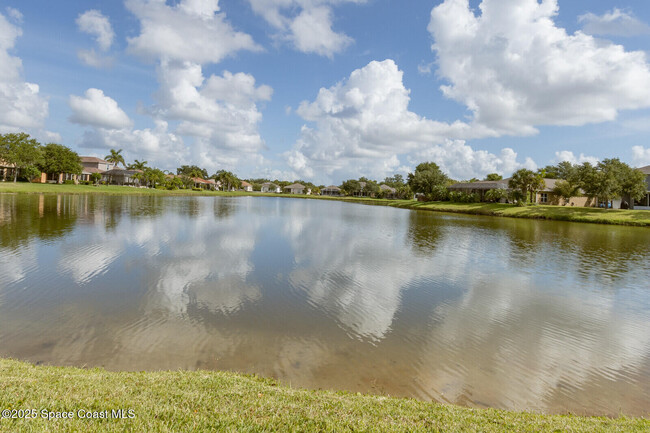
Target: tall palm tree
(115, 157)
(138, 165)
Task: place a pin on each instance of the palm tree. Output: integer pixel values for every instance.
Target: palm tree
(115, 157)
(138, 165)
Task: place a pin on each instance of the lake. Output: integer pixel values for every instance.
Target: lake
(477, 311)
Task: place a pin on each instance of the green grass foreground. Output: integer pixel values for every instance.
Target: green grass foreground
(220, 401)
(558, 213)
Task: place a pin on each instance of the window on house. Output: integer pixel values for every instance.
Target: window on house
(544, 198)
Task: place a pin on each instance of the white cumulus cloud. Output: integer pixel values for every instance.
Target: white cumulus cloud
(363, 126)
(220, 112)
(515, 69)
(462, 162)
(641, 155)
(159, 146)
(97, 109)
(94, 23)
(192, 30)
(615, 23)
(307, 24)
(567, 155)
(21, 105)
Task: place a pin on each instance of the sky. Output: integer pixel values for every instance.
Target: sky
(327, 90)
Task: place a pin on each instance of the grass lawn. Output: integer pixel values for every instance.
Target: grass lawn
(561, 213)
(221, 401)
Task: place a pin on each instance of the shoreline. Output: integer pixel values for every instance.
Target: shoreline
(638, 218)
(218, 400)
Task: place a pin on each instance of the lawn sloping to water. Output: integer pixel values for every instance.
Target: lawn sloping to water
(220, 401)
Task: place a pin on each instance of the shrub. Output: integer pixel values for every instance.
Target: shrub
(196, 189)
(464, 197)
(495, 195)
(68, 182)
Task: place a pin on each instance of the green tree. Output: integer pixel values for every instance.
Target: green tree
(137, 165)
(566, 190)
(228, 180)
(567, 171)
(351, 187)
(192, 171)
(395, 181)
(587, 178)
(525, 183)
(633, 183)
(609, 173)
(548, 172)
(153, 177)
(493, 177)
(428, 180)
(368, 187)
(495, 195)
(96, 177)
(21, 151)
(58, 158)
(116, 158)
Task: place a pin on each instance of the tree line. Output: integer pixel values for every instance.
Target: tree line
(604, 181)
(29, 158)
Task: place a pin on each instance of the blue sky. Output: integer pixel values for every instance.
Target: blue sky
(326, 90)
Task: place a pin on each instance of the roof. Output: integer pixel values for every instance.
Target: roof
(199, 180)
(91, 170)
(644, 170)
(295, 186)
(385, 187)
(480, 185)
(93, 159)
(4, 164)
(269, 184)
(245, 184)
(122, 172)
(549, 185)
(211, 181)
(331, 188)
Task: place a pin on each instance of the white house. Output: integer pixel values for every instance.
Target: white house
(246, 186)
(271, 187)
(295, 188)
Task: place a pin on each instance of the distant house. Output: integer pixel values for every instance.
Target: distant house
(7, 171)
(389, 191)
(333, 191)
(363, 192)
(543, 196)
(270, 187)
(92, 165)
(296, 188)
(204, 183)
(547, 196)
(55, 178)
(120, 176)
(480, 187)
(212, 184)
(246, 186)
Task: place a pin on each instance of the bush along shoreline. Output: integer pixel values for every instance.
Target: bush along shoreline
(67, 399)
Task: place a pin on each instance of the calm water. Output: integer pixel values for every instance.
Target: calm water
(506, 313)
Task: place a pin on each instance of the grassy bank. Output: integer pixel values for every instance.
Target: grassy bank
(559, 213)
(221, 401)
